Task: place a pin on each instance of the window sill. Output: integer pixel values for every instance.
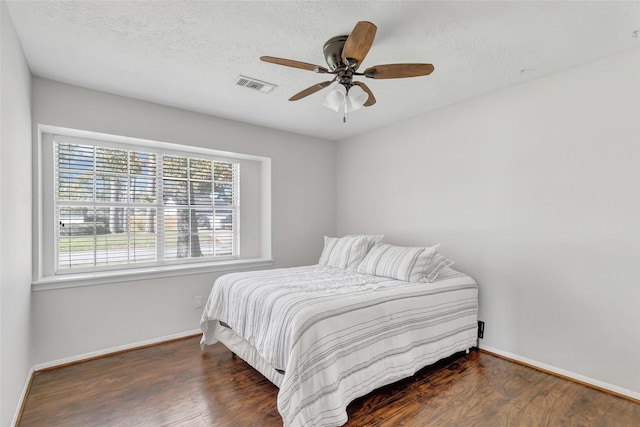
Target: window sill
(106, 277)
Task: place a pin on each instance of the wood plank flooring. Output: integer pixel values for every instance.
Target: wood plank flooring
(174, 384)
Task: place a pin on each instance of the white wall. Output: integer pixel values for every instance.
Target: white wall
(15, 221)
(75, 321)
(534, 191)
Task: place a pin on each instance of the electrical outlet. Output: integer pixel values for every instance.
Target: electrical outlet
(197, 302)
(480, 329)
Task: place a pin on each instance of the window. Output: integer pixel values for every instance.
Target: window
(119, 206)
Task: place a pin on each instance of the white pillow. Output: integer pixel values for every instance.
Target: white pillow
(397, 262)
(373, 239)
(345, 252)
(436, 266)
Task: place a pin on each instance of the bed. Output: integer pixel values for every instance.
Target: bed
(326, 335)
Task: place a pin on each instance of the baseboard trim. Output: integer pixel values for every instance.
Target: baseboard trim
(564, 374)
(17, 417)
(59, 363)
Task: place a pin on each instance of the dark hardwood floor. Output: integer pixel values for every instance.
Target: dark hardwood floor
(174, 384)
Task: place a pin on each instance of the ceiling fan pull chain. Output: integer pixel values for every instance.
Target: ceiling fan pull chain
(344, 118)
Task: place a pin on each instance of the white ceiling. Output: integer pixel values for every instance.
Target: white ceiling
(188, 54)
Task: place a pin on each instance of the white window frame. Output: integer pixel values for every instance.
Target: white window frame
(108, 274)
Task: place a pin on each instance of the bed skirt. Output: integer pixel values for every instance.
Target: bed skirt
(245, 351)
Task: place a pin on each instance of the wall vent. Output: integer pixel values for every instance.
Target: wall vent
(251, 83)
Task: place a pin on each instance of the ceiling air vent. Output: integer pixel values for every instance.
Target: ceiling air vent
(256, 84)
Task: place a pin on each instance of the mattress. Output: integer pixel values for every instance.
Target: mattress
(326, 336)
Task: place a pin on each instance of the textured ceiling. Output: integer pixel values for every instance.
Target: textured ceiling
(188, 54)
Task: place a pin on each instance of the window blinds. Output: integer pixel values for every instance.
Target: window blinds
(118, 207)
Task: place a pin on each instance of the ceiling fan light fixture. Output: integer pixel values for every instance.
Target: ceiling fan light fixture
(339, 98)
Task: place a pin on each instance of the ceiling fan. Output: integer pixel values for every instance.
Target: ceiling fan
(343, 55)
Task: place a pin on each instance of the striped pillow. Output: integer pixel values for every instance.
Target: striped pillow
(345, 253)
(373, 239)
(397, 262)
(437, 264)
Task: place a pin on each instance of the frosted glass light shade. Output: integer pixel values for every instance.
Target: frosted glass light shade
(335, 98)
(357, 97)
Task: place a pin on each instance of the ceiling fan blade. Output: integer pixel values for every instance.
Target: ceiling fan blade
(398, 71)
(294, 64)
(372, 99)
(358, 43)
(310, 90)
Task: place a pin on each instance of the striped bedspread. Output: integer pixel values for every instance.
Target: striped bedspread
(338, 335)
